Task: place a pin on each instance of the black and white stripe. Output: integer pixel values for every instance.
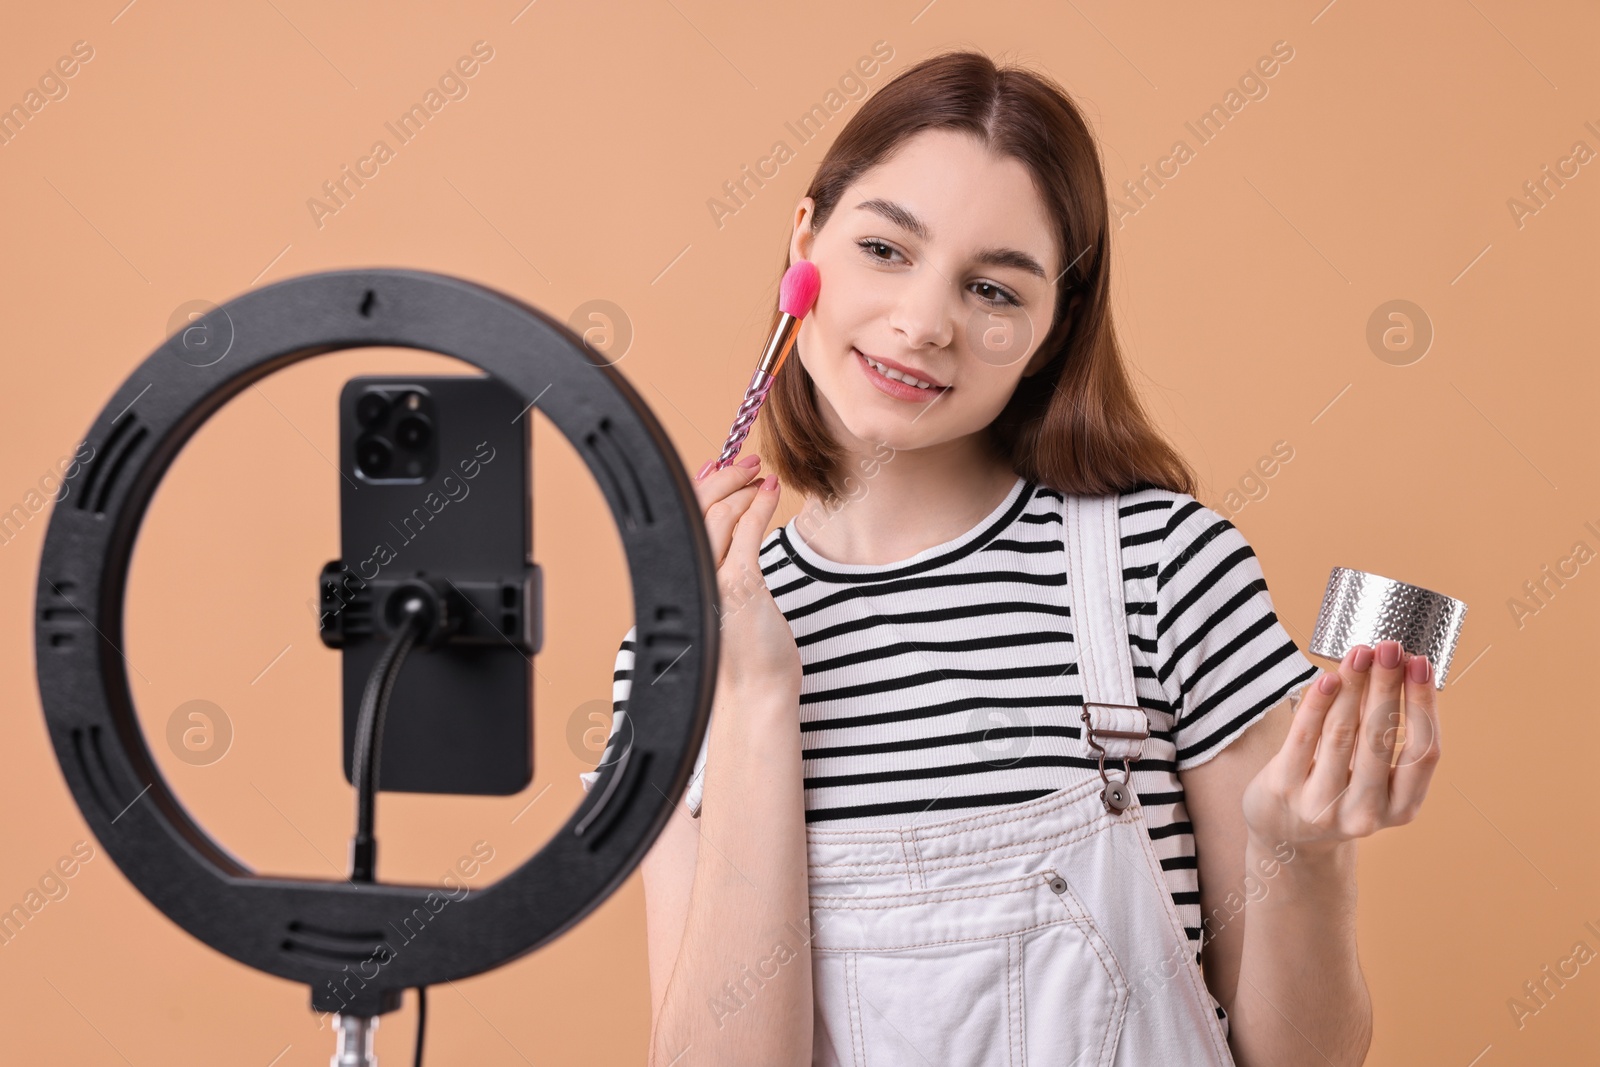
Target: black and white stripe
(949, 682)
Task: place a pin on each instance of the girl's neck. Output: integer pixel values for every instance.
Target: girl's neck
(896, 504)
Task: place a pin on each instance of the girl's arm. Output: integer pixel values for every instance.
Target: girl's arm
(1276, 816)
(668, 870)
(738, 987)
(723, 1003)
(1295, 908)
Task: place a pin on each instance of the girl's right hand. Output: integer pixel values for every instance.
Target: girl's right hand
(757, 647)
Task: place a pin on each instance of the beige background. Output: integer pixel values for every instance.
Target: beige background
(1379, 166)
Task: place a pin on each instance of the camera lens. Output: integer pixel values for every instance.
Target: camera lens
(370, 408)
(413, 431)
(372, 455)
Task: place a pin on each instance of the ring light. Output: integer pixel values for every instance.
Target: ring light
(311, 931)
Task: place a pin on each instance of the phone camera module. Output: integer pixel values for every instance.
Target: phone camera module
(395, 439)
(373, 455)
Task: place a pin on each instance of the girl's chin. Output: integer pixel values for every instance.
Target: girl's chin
(863, 418)
(867, 431)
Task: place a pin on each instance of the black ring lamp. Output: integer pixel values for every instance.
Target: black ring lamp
(320, 932)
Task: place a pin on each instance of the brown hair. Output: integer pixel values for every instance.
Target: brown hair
(1075, 425)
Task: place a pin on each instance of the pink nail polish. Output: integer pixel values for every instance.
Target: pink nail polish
(770, 482)
(704, 470)
(749, 461)
(1362, 662)
(1389, 654)
(1417, 670)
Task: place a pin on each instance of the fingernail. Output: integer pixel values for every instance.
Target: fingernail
(1362, 660)
(749, 461)
(1389, 654)
(770, 482)
(705, 469)
(1417, 670)
(1328, 683)
(1350, 657)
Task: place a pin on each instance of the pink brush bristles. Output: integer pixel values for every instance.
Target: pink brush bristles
(799, 288)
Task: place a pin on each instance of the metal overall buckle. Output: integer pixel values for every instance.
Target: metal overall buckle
(1116, 795)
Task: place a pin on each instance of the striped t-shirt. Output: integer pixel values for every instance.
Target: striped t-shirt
(948, 681)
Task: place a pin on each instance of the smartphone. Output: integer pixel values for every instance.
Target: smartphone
(434, 482)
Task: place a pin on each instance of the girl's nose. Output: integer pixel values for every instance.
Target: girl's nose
(926, 312)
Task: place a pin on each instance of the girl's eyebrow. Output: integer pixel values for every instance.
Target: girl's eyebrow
(903, 218)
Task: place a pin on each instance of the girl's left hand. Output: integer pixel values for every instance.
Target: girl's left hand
(1333, 781)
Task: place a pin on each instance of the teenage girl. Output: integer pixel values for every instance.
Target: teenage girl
(900, 849)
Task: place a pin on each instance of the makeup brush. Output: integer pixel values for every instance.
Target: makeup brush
(796, 293)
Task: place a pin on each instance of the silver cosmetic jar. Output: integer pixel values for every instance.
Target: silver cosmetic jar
(1362, 609)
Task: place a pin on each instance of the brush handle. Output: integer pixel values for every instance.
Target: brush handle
(772, 356)
(754, 396)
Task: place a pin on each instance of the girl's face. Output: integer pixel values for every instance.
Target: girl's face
(941, 263)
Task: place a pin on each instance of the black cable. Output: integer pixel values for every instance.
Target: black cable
(369, 734)
(422, 1021)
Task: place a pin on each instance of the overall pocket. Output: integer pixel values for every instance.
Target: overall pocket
(999, 973)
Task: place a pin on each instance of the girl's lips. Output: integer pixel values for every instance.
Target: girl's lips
(898, 390)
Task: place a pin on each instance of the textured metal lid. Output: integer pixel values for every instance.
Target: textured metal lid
(1362, 609)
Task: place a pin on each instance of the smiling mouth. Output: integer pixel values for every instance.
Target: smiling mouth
(898, 376)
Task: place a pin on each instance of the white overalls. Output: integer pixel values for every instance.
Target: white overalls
(1039, 933)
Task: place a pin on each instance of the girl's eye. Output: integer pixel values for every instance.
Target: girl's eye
(871, 243)
(1002, 297)
(1005, 299)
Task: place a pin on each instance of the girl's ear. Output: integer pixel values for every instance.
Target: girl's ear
(802, 239)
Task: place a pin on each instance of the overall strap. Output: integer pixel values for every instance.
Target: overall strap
(1115, 726)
